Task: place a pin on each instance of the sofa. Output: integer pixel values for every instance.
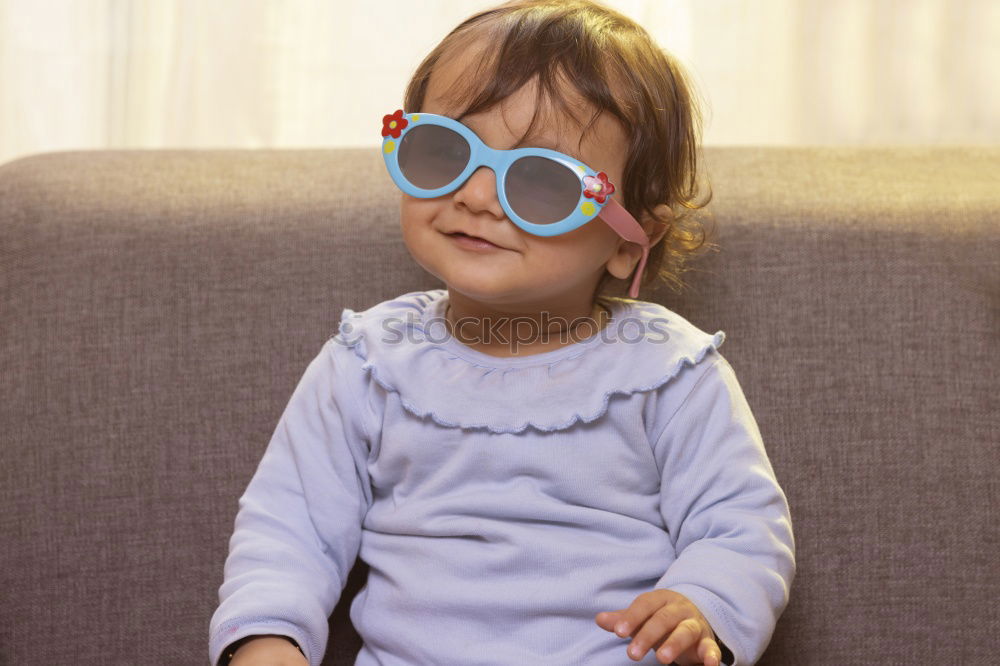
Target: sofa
(158, 307)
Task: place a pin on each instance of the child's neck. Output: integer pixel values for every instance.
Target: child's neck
(506, 336)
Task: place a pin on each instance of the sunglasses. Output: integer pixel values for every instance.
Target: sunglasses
(544, 192)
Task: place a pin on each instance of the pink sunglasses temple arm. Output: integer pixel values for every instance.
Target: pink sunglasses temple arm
(619, 219)
(633, 291)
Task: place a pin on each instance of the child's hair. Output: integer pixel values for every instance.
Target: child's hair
(591, 45)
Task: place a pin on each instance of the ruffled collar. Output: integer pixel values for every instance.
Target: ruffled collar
(406, 347)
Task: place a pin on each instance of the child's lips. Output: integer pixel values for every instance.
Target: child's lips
(464, 240)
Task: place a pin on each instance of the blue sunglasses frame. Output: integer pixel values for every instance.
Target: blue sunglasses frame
(596, 192)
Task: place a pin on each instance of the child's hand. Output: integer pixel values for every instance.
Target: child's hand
(669, 621)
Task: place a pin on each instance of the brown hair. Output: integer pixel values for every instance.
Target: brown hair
(590, 45)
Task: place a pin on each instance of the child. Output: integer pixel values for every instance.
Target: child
(594, 486)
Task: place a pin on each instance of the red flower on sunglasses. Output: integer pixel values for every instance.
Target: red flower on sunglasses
(597, 187)
(394, 124)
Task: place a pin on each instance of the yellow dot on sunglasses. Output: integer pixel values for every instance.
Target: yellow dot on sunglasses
(415, 117)
(392, 125)
(389, 147)
(587, 208)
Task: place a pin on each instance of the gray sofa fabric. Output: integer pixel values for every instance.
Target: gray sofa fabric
(158, 307)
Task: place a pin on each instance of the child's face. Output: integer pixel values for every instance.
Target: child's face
(525, 269)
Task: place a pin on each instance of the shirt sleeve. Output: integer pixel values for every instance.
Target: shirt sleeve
(298, 528)
(726, 515)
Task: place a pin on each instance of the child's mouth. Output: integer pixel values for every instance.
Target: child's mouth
(472, 242)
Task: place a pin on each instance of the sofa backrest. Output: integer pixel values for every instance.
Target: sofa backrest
(158, 307)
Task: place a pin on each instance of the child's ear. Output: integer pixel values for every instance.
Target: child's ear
(627, 254)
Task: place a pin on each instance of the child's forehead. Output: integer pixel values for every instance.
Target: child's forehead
(512, 120)
(508, 121)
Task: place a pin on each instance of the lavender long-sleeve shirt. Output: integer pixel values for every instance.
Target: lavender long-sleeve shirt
(501, 503)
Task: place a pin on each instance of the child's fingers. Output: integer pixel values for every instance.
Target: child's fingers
(684, 635)
(709, 652)
(655, 629)
(607, 619)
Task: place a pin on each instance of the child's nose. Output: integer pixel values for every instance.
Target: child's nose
(482, 180)
(479, 192)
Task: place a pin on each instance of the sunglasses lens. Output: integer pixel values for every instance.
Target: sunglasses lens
(542, 191)
(431, 156)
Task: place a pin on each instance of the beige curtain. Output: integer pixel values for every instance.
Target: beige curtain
(82, 74)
